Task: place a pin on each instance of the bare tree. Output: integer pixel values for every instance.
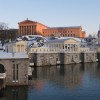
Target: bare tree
(7, 34)
(3, 31)
(3, 26)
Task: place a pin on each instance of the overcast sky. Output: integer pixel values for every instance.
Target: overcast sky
(53, 13)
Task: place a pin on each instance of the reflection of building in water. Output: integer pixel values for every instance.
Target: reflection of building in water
(98, 70)
(91, 68)
(2, 96)
(1, 83)
(16, 93)
(73, 76)
(67, 76)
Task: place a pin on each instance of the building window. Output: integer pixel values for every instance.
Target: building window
(57, 58)
(15, 94)
(15, 72)
(73, 35)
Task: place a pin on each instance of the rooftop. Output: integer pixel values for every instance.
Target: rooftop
(5, 55)
(26, 21)
(65, 27)
(62, 39)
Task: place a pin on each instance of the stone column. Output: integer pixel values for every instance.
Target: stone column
(19, 48)
(32, 30)
(24, 29)
(67, 47)
(74, 47)
(70, 47)
(27, 30)
(20, 30)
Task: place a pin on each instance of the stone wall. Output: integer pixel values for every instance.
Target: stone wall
(98, 56)
(88, 57)
(71, 58)
(46, 59)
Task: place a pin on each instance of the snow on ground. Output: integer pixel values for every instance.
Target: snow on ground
(5, 55)
(0, 46)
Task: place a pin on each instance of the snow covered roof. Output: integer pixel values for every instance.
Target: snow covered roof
(62, 39)
(0, 45)
(4, 55)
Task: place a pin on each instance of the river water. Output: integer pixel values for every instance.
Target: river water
(62, 82)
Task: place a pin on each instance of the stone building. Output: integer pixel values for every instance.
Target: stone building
(63, 45)
(39, 50)
(28, 27)
(75, 31)
(16, 70)
(99, 36)
(14, 47)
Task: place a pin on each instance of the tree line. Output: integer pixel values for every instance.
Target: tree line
(7, 34)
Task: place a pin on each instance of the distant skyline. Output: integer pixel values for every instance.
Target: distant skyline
(53, 13)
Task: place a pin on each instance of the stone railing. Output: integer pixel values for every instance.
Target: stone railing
(2, 75)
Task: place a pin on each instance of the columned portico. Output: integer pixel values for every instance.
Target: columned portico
(28, 27)
(66, 45)
(70, 47)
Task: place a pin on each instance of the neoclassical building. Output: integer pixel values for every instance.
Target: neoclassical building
(63, 45)
(74, 31)
(28, 27)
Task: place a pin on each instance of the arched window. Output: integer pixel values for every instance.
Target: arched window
(2, 69)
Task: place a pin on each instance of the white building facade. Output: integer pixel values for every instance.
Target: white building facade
(63, 45)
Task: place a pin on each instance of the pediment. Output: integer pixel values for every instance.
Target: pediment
(71, 41)
(27, 22)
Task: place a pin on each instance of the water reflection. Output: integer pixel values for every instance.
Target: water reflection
(63, 75)
(71, 82)
(14, 93)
